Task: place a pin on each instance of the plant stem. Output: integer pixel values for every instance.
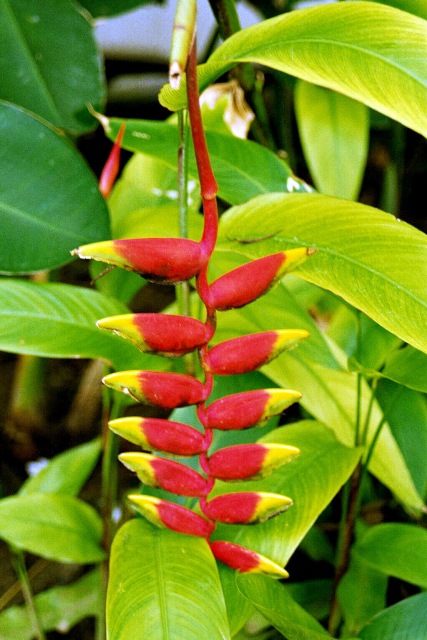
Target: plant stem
(21, 572)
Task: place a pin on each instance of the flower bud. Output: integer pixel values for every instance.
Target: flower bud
(250, 281)
(250, 352)
(245, 560)
(249, 461)
(162, 334)
(172, 516)
(112, 166)
(156, 434)
(165, 474)
(160, 389)
(249, 408)
(162, 260)
(246, 507)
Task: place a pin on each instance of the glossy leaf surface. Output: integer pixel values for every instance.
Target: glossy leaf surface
(103, 8)
(346, 47)
(355, 243)
(43, 69)
(49, 198)
(403, 621)
(163, 585)
(57, 527)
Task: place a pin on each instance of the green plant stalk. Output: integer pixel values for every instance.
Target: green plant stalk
(21, 572)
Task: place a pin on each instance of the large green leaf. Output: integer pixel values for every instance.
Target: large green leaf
(58, 527)
(233, 159)
(49, 198)
(50, 62)
(163, 585)
(405, 620)
(98, 8)
(59, 321)
(409, 367)
(274, 601)
(67, 472)
(373, 261)
(59, 608)
(367, 51)
(396, 549)
(334, 132)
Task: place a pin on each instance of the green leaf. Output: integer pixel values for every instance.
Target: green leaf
(104, 8)
(405, 620)
(57, 527)
(59, 608)
(163, 585)
(417, 7)
(360, 251)
(49, 198)
(322, 456)
(50, 62)
(67, 472)
(408, 367)
(59, 321)
(334, 133)
(362, 594)
(233, 159)
(369, 52)
(396, 549)
(274, 601)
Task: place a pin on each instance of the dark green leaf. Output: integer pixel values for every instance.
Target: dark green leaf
(49, 198)
(50, 62)
(57, 527)
(103, 8)
(405, 620)
(163, 585)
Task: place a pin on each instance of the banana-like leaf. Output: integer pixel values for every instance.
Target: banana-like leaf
(334, 133)
(49, 198)
(372, 260)
(367, 51)
(163, 585)
(405, 620)
(59, 321)
(50, 62)
(54, 526)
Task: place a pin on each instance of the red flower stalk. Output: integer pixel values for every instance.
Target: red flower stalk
(166, 260)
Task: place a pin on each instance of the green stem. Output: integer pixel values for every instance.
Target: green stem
(21, 572)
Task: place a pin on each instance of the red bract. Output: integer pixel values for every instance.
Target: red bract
(162, 260)
(156, 434)
(249, 408)
(167, 390)
(249, 461)
(245, 560)
(245, 508)
(165, 335)
(250, 352)
(172, 516)
(250, 281)
(112, 166)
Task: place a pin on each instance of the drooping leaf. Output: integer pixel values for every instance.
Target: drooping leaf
(59, 608)
(233, 159)
(66, 473)
(163, 585)
(50, 62)
(57, 527)
(49, 199)
(369, 52)
(104, 8)
(360, 251)
(403, 621)
(407, 366)
(396, 549)
(334, 132)
(275, 602)
(59, 321)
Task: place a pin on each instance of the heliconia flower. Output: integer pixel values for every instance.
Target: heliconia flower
(162, 260)
(245, 560)
(112, 166)
(247, 507)
(252, 351)
(250, 281)
(249, 461)
(162, 334)
(172, 516)
(160, 389)
(156, 434)
(165, 474)
(249, 408)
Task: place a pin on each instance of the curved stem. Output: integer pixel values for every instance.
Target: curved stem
(21, 572)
